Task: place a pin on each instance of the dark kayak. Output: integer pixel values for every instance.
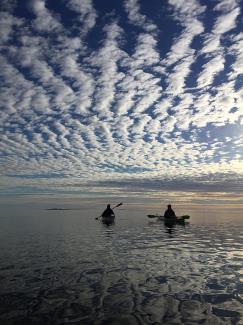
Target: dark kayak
(108, 217)
(108, 220)
(111, 216)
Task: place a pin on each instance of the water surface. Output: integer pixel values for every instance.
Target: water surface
(65, 267)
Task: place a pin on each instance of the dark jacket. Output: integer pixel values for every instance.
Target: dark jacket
(108, 212)
(169, 213)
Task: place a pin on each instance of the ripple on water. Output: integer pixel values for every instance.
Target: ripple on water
(147, 274)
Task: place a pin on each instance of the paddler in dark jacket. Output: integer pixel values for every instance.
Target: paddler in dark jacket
(169, 213)
(108, 212)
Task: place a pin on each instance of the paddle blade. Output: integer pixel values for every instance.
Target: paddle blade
(152, 216)
(185, 217)
(118, 205)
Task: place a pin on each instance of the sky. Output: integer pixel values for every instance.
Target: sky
(127, 95)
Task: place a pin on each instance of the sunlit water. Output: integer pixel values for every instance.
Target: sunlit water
(65, 267)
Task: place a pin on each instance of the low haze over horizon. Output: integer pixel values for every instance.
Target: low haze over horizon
(105, 97)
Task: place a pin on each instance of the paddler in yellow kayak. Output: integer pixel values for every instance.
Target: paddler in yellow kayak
(169, 213)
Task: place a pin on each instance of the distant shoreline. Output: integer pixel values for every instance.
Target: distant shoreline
(58, 209)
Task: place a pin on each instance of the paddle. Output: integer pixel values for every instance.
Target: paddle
(119, 204)
(116, 206)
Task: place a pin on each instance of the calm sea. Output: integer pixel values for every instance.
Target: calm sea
(65, 267)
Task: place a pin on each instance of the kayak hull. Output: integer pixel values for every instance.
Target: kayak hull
(108, 219)
(171, 221)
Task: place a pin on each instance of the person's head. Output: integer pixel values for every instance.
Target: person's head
(169, 206)
(108, 206)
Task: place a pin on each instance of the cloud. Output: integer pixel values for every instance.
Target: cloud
(119, 98)
(226, 22)
(178, 62)
(135, 17)
(177, 78)
(210, 70)
(105, 61)
(45, 21)
(236, 50)
(226, 5)
(86, 14)
(8, 23)
(223, 24)
(188, 16)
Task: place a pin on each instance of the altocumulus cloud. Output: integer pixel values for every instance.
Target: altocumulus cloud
(121, 94)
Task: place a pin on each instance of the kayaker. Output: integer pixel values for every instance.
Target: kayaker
(108, 212)
(169, 213)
